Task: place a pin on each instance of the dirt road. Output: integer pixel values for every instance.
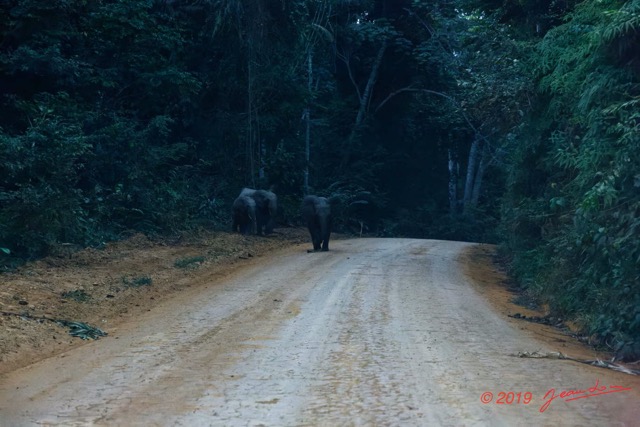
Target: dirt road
(375, 332)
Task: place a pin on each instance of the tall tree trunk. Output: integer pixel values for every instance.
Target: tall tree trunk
(477, 182)
(472, 164)
(250, 130)
(364, 102)
(307, 117)
(307, 149)
(252, 29)
(453, 182)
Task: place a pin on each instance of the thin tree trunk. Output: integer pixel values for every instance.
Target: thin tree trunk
(261, 150)
(307, 116)
(477, 182)
(373, 76)
(364, 102)
(250, 122)
(453, 182)
(472, 164)
(307, 150)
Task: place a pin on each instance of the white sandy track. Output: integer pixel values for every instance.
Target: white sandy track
(376, 332)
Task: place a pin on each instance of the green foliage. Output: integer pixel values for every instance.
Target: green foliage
(39, 200)
(429, 222)
(284, 168)
(94, 100)
(624, 21)
(572, 219)
(353, 208)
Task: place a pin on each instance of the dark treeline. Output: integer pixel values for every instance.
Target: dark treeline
(504, 121)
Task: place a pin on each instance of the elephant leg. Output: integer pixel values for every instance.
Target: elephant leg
(262, 221)
(317, 212)
(325, 230)
(315, 237)
(259, 225)
(325, 243)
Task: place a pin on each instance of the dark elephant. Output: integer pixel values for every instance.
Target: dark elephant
(316, 211)
(266, 208)
(244, 215)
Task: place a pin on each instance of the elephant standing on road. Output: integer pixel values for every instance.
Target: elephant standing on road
(266, 208)
(316, 211)
(244, 215)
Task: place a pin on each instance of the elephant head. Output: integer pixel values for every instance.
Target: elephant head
(244, 215)
(266, 206)
(316, 211)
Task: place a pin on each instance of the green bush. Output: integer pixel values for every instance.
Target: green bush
(188, 262)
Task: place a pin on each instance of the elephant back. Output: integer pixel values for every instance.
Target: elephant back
(244, 202)
(247, 192)
(264, 199)
(315, 205)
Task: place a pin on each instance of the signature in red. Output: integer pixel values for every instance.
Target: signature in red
(569, 395)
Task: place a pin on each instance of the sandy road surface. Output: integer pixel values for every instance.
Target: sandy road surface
(375, 332)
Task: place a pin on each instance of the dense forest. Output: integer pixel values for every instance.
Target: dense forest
(514, 122)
